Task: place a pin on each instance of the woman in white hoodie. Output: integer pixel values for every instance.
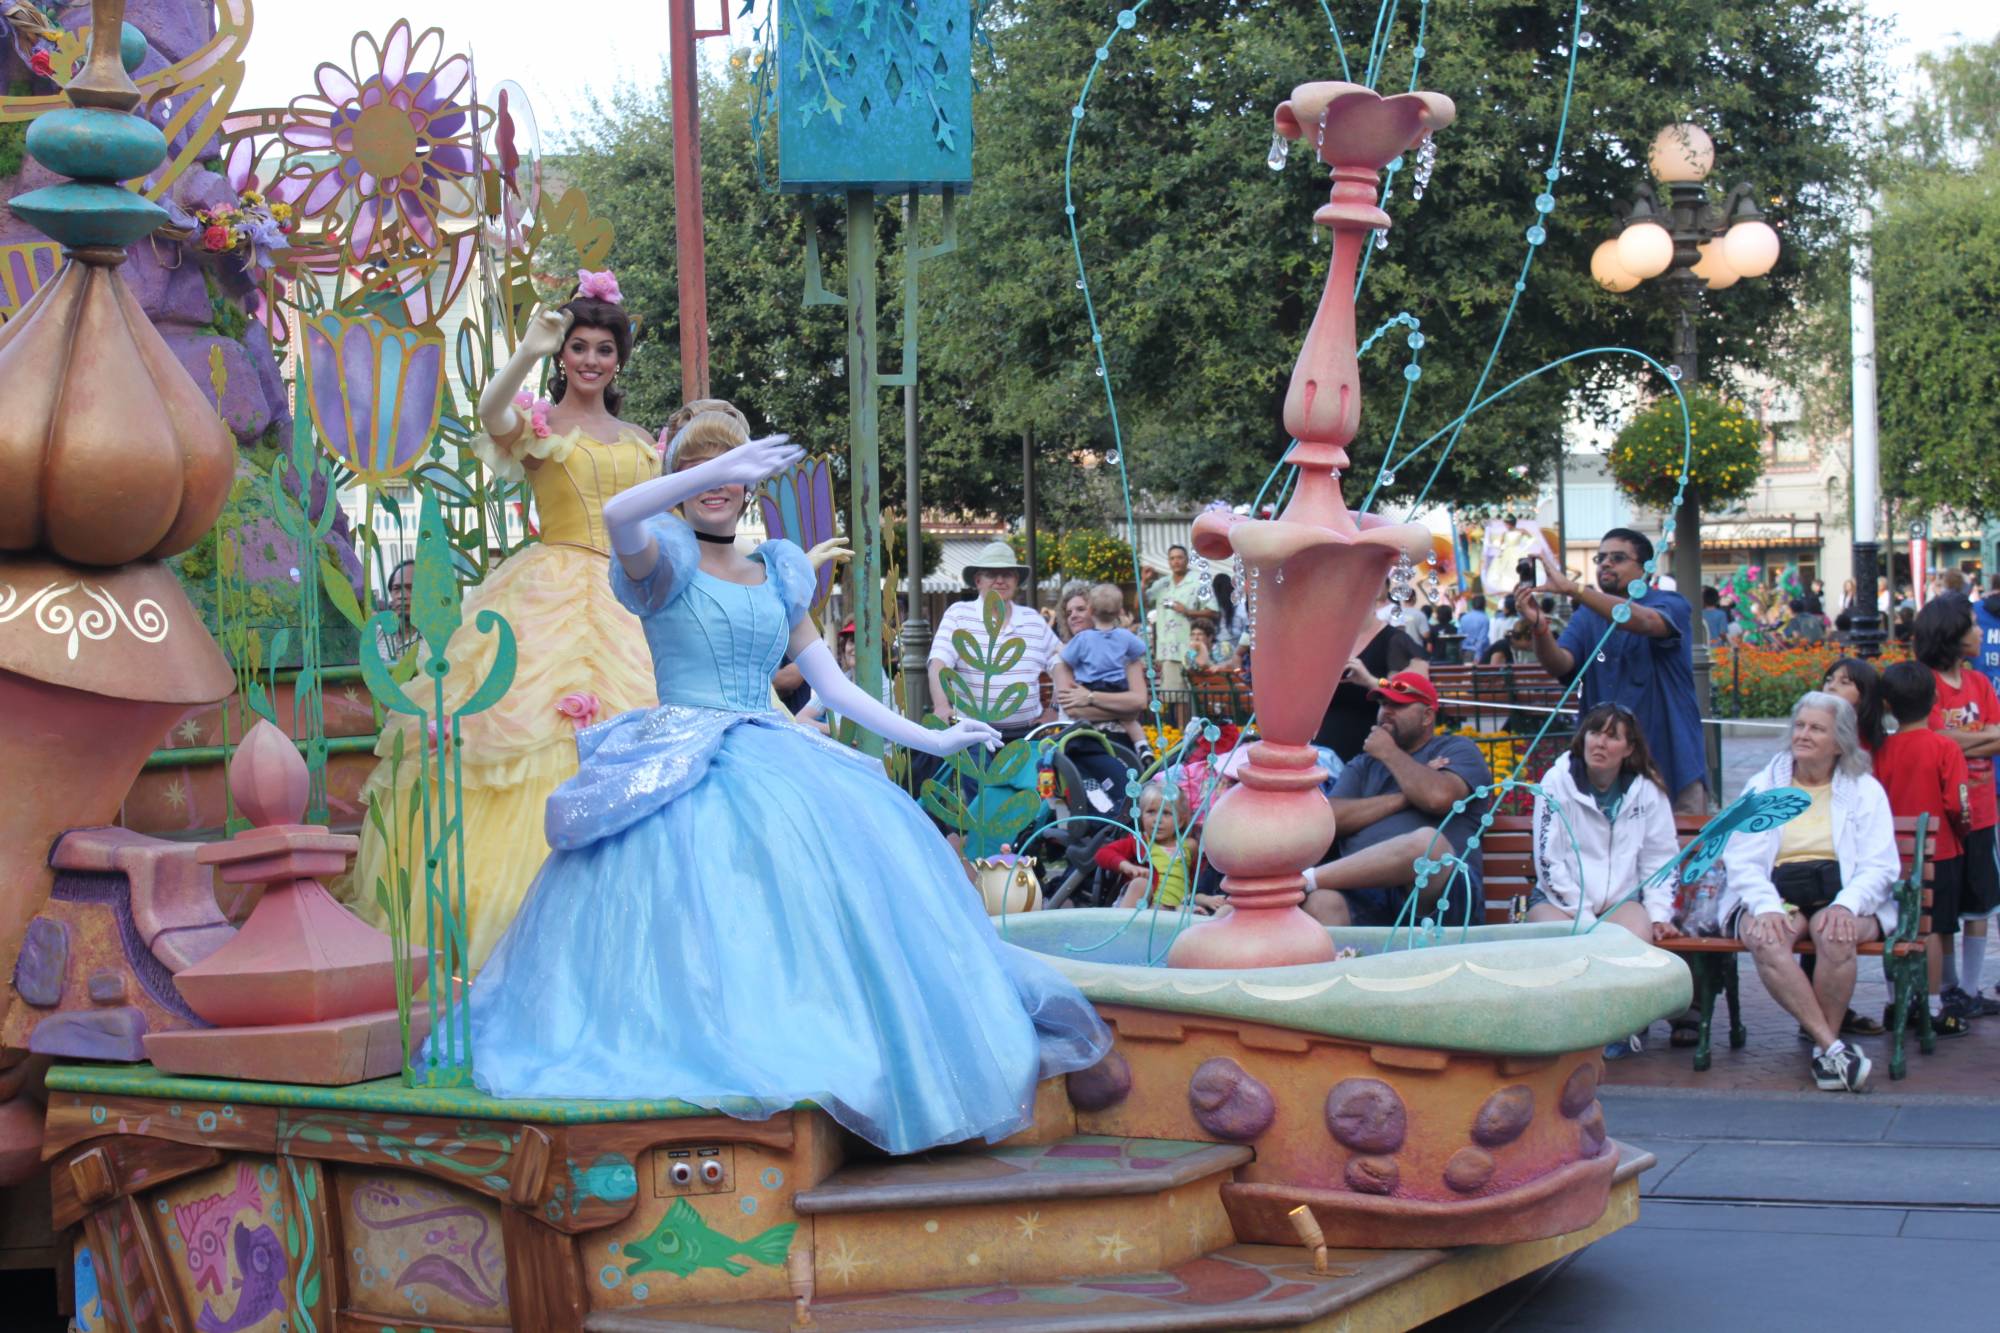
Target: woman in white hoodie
(1830, 872)
(1604, 825)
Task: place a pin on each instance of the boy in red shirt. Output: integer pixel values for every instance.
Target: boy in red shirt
(1925, 774)
(1967, 713)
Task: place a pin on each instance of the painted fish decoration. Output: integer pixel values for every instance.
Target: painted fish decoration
(611, 1178)
(205, 1222)
(260, 1279)
(683, 1244)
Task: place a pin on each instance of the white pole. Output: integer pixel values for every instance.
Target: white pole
(1867, 441)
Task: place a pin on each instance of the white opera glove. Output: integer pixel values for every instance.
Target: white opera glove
(746, 465)
(840, 695)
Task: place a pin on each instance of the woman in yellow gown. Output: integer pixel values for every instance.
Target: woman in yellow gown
(580, 657)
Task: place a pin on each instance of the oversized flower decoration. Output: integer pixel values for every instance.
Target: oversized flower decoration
(392, 141)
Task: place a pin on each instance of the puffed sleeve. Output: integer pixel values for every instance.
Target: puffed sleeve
(793, 573)
(678, 556)
(504, 460)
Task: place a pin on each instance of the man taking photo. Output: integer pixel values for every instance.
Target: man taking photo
(1646, 665)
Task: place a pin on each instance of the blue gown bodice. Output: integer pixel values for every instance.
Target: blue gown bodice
(715, 645)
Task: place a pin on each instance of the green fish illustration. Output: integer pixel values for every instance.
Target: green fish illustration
(683, 1243)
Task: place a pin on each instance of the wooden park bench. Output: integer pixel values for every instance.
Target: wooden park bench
(1475, 695)
(1509, 875)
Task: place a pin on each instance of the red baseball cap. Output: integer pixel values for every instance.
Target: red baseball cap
(1407, 687)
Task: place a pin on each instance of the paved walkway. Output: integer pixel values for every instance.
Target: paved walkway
(1775, 1060)
(1781, 1212)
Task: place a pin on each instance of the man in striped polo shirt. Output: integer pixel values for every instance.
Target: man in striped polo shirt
(995, 570)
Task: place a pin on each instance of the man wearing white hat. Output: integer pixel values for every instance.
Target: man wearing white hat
(995, 570)
(1176, 599)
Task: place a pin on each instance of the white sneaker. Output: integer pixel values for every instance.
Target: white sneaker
(1844, 1070)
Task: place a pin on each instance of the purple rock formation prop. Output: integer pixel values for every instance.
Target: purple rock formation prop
(1468, 1170)
(1373, 1175)
(1103, 1085)
(1504, 1116)
(1590, 1130)
(38, 972)
(1228, 1102)
(1367, 1115)
(92, 1034)
(1579, 1091)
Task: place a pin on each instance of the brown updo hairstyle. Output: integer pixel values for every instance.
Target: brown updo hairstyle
(588, 313)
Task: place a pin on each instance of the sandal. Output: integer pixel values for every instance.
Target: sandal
(1854, 1025)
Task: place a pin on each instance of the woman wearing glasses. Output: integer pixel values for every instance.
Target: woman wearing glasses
(1639, 657)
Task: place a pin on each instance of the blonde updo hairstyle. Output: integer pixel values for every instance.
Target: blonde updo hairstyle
(711, 430)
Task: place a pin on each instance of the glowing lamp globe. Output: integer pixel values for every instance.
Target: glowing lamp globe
(1714, 267)
(1681, 154)
(1610, 274)
(1645, 250)
(1751, 248)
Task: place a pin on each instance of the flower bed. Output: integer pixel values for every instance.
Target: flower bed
(1766, 682)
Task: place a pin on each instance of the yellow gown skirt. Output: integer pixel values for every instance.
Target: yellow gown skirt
(571, 638)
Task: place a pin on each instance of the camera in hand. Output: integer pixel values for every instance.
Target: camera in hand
(1524, 570)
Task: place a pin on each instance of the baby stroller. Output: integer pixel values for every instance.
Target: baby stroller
(1085, 773)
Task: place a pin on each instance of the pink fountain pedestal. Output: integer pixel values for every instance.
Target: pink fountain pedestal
(306, 991)
(1312, 572)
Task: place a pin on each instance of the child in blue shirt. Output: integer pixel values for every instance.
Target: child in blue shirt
(1099, 655)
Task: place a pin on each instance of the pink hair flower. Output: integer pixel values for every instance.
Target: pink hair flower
(581, 708)
(602, 286)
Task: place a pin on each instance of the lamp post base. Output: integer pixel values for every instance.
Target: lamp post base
(1868, 631)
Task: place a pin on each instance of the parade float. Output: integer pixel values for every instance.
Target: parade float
(217, 1073)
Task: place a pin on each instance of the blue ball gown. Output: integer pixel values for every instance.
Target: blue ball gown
(741, 913)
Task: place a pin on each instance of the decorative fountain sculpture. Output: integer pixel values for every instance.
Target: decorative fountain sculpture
(1310, 568)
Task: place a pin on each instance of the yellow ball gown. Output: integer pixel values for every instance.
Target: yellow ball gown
(571, 637)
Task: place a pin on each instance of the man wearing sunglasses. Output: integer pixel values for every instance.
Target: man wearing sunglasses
(1646, 666)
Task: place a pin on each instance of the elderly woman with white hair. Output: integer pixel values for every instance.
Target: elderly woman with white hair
(1829, 873)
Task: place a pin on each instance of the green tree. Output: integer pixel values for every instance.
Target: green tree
(1937, 347)
(1204, 265)
(1205, 270)
(1936, 254)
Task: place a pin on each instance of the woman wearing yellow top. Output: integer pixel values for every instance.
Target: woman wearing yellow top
(1829, 873)
(580, 657)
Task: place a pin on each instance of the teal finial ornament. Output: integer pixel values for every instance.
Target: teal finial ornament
(97, 142)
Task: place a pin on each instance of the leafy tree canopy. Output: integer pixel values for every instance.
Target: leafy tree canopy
(1204, 266)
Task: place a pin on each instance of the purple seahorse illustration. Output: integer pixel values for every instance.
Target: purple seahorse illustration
(260, 1278)
(478, 1282)
(205, 1222)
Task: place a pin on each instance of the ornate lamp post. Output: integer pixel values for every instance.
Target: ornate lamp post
(1689, 244)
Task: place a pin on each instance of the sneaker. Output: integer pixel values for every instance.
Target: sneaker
(1845, 1070)
(1985, 1006)
(1632, 1045)
(1945, 1023)
(1953, 999)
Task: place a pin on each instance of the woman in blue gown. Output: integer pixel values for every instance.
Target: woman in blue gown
(739, 912)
